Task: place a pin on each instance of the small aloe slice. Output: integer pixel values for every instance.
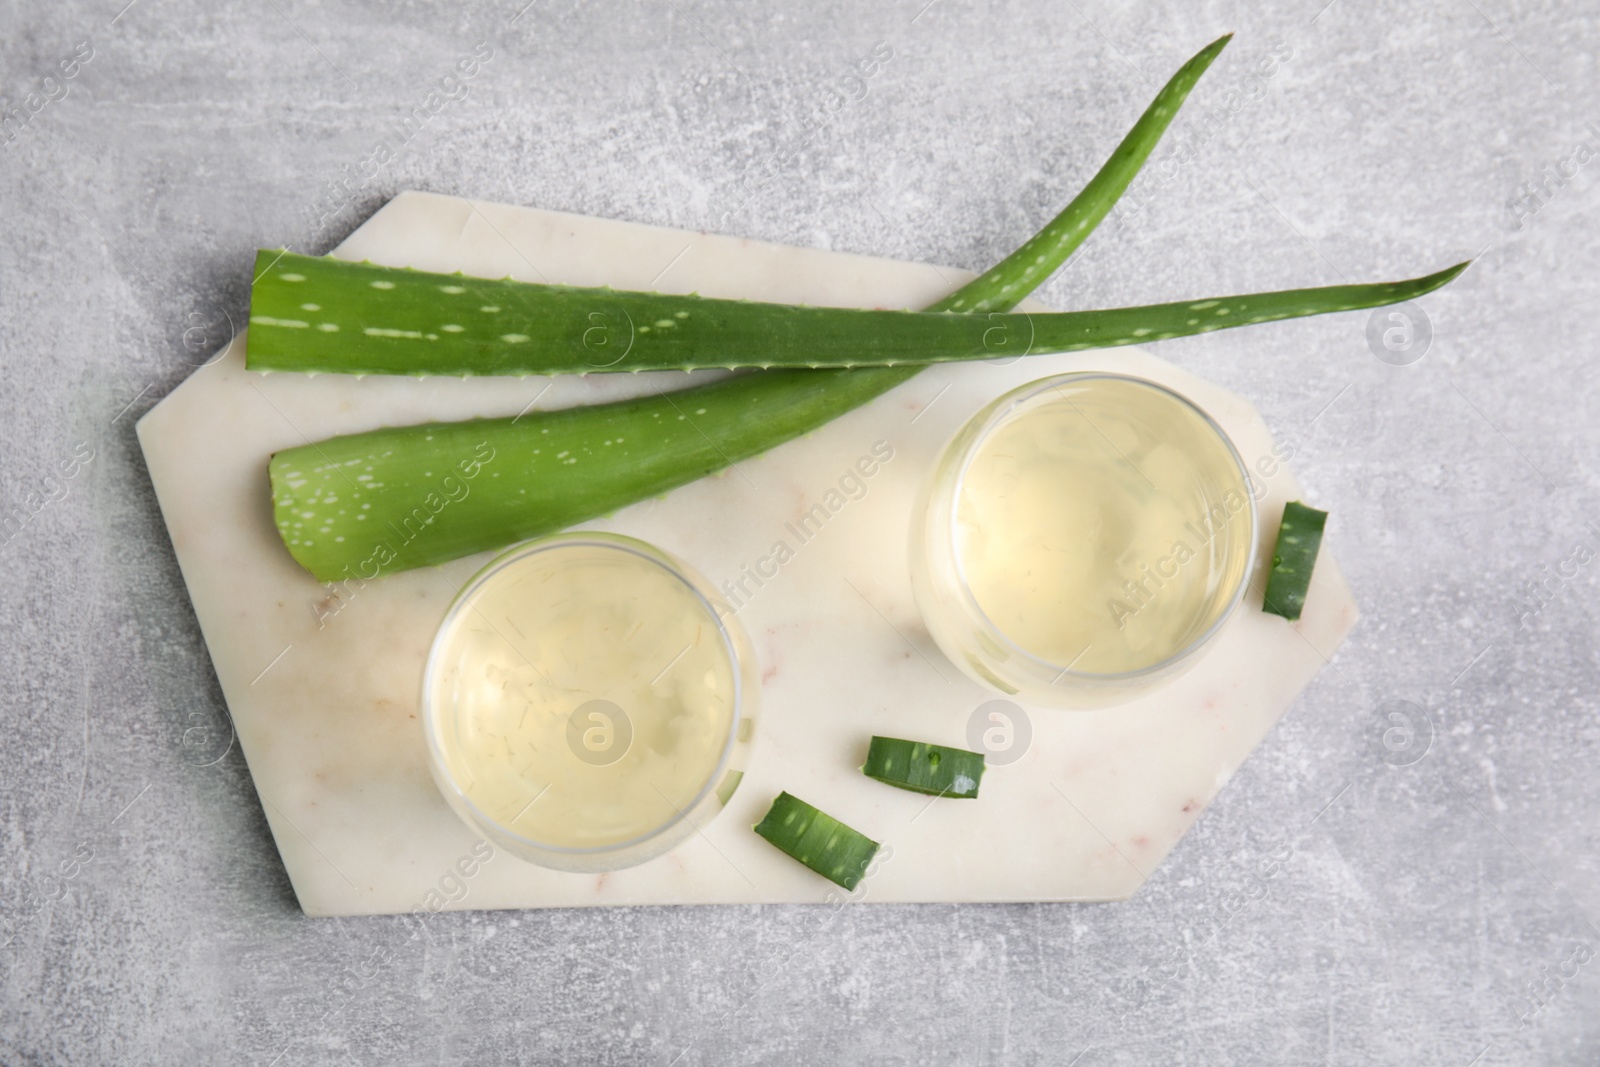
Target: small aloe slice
(818, 840)
(313, 313)
(1294, 558)
(378, 502)
(932, 770)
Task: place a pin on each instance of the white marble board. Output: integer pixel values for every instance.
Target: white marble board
(324, 692)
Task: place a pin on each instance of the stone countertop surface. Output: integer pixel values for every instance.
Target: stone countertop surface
(1408, 869)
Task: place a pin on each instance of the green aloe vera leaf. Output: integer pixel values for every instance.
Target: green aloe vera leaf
(312, 313)
(383, 501)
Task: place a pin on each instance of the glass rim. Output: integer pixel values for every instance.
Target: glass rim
(993, 416)
(674, 567)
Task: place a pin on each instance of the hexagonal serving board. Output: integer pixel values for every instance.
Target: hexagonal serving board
(323, 684)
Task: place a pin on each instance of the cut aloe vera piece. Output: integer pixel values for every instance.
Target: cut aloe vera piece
(818, 840)
(931, 769)
(313, 313)
(1299, 538)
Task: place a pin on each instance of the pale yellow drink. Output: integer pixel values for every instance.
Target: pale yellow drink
(1081, 539)
(1101, 525)
(583, 696)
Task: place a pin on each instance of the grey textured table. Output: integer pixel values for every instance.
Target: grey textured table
(1365, 891)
